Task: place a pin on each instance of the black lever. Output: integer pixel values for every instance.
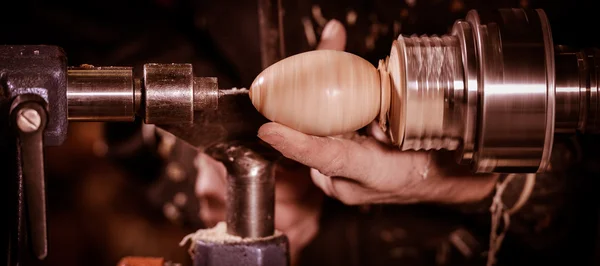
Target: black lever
(29, 118)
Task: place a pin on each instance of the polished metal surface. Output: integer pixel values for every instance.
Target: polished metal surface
(486, 90)
(465, 102)
(592, 72)
(169, 93)
(251, 189)
(100, 94)
(514, 91)
(568, 92)
(577, 102)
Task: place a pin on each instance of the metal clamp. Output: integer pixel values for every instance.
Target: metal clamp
(29, 117)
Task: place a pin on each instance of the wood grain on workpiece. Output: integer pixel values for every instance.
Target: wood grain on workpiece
(321, 93)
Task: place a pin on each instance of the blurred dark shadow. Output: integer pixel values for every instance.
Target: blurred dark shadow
(102, 208)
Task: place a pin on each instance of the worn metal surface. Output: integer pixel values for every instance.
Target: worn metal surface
(40, 70)
(235, 119)
(169, 93)
(250, 189)
(206, 93)
(272, 251)
(33, 78)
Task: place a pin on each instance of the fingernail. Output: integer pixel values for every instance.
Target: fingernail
(331, 30)
(333, 36)
(273, 139)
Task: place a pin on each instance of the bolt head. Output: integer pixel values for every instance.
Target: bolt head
(28, 120)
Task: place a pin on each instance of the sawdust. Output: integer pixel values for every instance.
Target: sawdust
(216, 234)
(219, 235)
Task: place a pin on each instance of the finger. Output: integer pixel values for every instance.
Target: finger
(333, 36)
(322, 181)
(331, 156)
(345, 190)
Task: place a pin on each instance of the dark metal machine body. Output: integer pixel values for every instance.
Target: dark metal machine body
(33, 102)
(39, 94)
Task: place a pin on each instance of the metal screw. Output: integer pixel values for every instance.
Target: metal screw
(28, 120)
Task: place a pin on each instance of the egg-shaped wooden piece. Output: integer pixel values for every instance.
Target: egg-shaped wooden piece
(321, 93)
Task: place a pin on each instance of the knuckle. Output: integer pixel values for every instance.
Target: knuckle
(336, 163)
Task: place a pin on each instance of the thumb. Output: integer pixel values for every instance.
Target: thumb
(333, 36)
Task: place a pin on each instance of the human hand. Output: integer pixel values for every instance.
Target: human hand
(360, 169)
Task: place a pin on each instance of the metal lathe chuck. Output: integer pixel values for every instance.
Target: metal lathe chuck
(497, 88)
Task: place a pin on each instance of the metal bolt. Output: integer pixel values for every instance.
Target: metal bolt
(28, 120)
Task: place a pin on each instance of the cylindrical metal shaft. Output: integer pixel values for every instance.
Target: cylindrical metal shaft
(577, 91)
(101, 94)
(167, 94)
(251, 190)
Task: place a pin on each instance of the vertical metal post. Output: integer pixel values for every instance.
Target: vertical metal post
(251, 190)
(270, 27)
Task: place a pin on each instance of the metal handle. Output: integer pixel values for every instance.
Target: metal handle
(30, 119)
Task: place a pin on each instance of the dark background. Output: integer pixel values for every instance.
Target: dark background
(104, 206)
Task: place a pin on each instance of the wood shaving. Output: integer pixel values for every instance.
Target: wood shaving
(218, 235)
(501, 213)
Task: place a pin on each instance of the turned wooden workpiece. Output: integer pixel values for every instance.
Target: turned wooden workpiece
(323, 93)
